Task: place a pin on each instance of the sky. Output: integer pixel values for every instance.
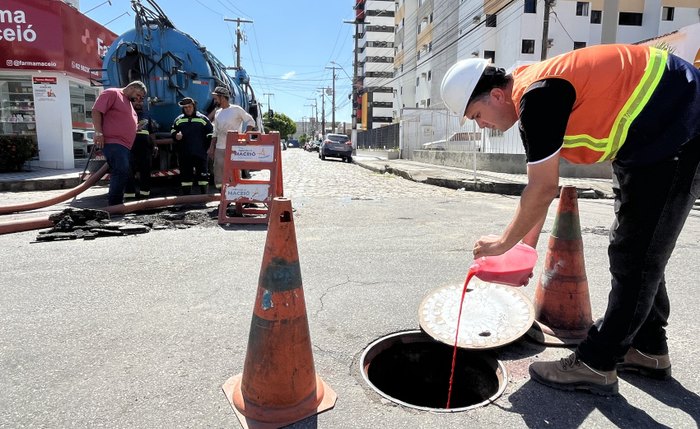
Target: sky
(288, 50)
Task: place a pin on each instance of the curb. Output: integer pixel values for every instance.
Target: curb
(38, 185)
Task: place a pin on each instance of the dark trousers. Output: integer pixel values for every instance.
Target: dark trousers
(193, 169)
(651, 206)
(140, 163)
(118, 159)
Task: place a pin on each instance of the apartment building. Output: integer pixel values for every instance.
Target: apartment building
(433, 34)
(375, 57)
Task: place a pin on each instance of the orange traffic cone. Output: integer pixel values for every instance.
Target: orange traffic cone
(562, 303)
(279, 385)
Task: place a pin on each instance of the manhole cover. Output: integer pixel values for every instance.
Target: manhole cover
(492, 315)
(412, 369)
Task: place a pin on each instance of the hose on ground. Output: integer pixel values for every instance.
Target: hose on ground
(94, 178)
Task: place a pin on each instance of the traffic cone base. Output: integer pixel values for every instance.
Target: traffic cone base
(543, 334)
(323, 400)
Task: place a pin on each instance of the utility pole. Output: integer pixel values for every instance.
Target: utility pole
(545, 28)
(333, 99)
(239, 36)
(323, 110)
(269, 106)
(355, 81)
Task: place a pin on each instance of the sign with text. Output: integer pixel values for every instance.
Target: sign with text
(50, 35)
(255, 192)
(252, 153)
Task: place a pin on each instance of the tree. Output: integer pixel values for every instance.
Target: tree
(279, 122)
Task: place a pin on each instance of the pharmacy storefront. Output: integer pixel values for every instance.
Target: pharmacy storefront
(50, 55)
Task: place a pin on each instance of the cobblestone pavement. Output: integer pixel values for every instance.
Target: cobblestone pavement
(306, 175)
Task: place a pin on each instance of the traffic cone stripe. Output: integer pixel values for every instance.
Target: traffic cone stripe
(567, 226)
(281, 275)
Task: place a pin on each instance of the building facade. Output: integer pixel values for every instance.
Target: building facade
(50, 54)
(375, 58)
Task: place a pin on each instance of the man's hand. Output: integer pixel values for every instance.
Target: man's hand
(210, 151)
(178, 136)
(489, 245)
(99, 140)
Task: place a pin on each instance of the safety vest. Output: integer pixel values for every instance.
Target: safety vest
(613, 83)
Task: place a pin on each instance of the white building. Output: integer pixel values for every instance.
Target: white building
(375, 62)
(432, 35)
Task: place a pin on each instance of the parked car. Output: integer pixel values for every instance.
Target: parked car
(312, 145)
(336, 146)
(82, 142)
(293, 143)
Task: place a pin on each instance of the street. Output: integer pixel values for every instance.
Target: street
(142, 331)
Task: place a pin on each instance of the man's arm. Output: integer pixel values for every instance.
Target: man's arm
(99, 138)
(541, 189)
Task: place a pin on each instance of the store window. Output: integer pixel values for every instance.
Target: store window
(596, 16)
(17, 106)
(82, 98)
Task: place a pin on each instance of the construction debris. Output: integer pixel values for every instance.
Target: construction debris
(88, 224)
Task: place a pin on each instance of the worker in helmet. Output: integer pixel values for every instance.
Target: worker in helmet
(192, 133)
(637, 106)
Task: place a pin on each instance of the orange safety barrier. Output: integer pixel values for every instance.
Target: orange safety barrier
(250, 151)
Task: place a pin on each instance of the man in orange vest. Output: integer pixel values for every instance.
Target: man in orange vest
(637, 106)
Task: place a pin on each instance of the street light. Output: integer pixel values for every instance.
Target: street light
(93, 8)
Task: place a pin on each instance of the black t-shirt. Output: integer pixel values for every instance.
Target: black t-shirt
(544, 113)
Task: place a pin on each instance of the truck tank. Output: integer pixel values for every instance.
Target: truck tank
(173, 65)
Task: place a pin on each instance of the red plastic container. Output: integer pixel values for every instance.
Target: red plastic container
(513, 268)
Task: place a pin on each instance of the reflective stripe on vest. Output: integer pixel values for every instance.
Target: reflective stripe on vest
(609, 146)
(142, 132)
(186, 119)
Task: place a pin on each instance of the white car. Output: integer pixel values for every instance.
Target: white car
(82, 142)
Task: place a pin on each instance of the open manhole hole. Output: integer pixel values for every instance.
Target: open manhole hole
(412, 369)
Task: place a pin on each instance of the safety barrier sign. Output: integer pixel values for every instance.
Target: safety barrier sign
(241, 199)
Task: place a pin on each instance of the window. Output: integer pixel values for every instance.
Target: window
(528, 46)
(667, 13)
(582, 8)
(417, 81)
(579, 45)
(596, 16)
(490, 55)
(427, 104)
(630, 18)
(530, 6)
(491, 20)
(430, 75)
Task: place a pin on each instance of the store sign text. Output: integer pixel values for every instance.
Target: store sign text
(21, 33)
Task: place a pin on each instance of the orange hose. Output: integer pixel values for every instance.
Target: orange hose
(44, 222)
(94, 178)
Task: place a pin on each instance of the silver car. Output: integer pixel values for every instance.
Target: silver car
(336, 146)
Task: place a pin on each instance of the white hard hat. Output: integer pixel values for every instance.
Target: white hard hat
(459, 83)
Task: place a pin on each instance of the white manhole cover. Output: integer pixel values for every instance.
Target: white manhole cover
(492, 315)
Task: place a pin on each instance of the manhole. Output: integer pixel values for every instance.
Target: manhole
(412, 369)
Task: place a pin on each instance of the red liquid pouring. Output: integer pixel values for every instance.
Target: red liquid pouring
(470, 274)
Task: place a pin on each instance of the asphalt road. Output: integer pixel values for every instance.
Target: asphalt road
(142, 331)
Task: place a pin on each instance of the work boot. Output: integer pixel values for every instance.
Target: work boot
(654, 366)
(573, 374)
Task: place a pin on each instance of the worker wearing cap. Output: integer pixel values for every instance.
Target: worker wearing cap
(228, 117)
(192, 133)
(637, 106)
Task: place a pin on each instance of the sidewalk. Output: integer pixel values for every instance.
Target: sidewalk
(480, 181)
(41, 179)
